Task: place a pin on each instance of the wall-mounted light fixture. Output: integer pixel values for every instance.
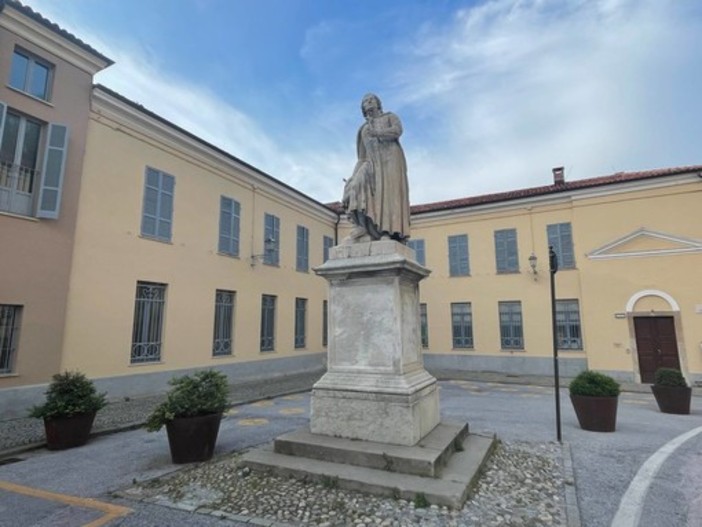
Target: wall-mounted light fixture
(533, 260)
(268, 247)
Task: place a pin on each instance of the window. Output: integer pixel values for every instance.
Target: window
(506, 256)
(9, 336)
(303, 249)
(418, 246)
(20, 138)
(424, 325)
(300, 322)
(268, 322)
(511, 331)
(560, 237)
(223, 323)
(271, 239)
(228, 226)
(157, 215)
(568, 325)
(458, 255)
(30, 74)
(462, 325)
(325, 323)
(328, 242)
(149, 308)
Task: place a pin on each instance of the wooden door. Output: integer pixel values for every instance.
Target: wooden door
(656, 345)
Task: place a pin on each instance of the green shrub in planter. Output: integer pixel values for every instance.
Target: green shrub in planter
(594, 396)
(70, 393)
(672, 393)
(669, 377)
(69, 410)
(594, 384)
(202, 393)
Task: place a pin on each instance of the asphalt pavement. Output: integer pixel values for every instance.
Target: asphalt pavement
(80, 486)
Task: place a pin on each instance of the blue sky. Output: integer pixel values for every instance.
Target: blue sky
(492, 94)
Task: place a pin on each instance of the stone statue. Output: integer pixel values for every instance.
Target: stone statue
(376, 197)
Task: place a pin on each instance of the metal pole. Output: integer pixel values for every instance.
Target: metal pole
(553, 267)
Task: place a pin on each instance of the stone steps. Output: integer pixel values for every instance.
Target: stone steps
(449, 487)
(427, 458)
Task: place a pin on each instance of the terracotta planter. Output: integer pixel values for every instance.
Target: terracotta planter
(673, 399)
(597, 414)
(68, 432)
(193, 439)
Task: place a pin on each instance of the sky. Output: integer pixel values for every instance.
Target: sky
(492, 94)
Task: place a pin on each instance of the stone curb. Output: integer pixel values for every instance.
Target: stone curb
(251, 520)
(572, 510)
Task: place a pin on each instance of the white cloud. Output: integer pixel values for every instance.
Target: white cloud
(490, 100)
(519, 87)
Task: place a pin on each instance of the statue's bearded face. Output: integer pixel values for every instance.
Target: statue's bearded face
(370, 105)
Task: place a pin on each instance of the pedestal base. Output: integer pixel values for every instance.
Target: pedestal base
(398, 410)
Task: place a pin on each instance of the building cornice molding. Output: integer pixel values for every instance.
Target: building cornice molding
(566, 197)
(122, 114)
(43, 37)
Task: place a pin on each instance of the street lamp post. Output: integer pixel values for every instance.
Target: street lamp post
(553, 267)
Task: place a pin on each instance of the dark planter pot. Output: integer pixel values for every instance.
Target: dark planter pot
(193, 439)
(673, 399)
(68, 432)
(597, 414)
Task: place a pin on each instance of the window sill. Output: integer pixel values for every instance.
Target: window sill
(8, 375)
(153, 239)
(509, 272)
(463, 349)
(29, 95)
(513, 350)
(19, 216)
(459, 275)
(227, 255)
(150, 363)
(267, 351)
(306, 271)
(223, 356)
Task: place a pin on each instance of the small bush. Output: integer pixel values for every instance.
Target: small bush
(203, 393)
(69, 393)
(594, 384)
(669, 377)
(421, 501)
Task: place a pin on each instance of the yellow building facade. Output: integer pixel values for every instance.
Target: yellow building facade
(170, 255)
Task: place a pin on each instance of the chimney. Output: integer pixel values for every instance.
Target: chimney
(558, 176)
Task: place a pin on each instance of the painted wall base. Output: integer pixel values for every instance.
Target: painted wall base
(508, 364)
(15, 402)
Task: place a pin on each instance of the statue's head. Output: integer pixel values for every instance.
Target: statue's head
(370, 100)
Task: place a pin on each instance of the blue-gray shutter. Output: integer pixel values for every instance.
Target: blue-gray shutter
(302, 263)
(560, 237)
(229, 226)
(458, 255)
(506, 255)
(3, 113)
(52, 173)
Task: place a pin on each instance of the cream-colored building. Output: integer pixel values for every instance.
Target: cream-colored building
(168, 254)
(628, 289)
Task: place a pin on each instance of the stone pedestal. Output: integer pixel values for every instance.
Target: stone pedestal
(376, 387)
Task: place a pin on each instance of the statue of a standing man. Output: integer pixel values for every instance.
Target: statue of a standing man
(376, 197)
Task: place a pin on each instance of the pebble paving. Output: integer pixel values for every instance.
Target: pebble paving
(522, 485)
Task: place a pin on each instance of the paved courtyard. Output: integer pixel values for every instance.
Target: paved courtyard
(638, 475)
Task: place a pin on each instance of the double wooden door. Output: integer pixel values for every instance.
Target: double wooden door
(656, 344)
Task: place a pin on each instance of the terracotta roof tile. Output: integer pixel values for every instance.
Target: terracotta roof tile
(29, 12)
(619, 177)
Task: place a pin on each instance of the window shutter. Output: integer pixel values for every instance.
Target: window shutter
(52, 174)
(3, 112)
